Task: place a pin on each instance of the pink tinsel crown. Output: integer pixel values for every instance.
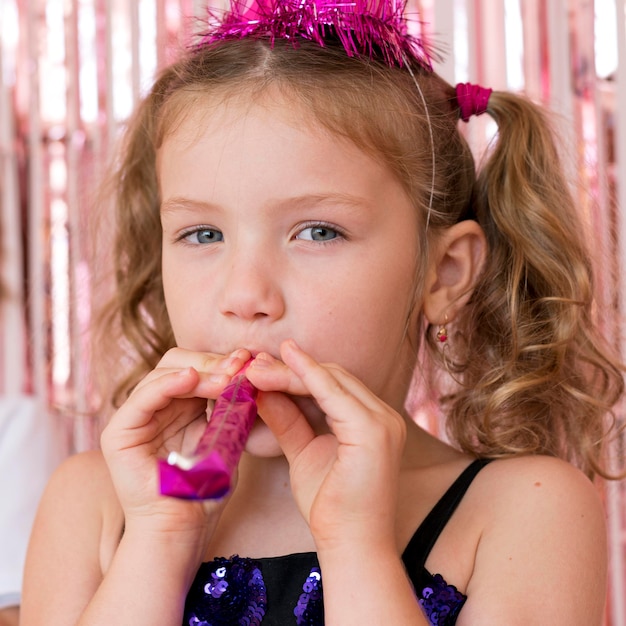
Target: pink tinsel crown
(373, 28)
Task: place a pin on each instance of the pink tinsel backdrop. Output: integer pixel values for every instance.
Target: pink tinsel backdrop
(71, 71)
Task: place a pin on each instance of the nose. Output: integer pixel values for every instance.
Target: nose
(250, 288)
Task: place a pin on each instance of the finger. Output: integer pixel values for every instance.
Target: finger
(270, 374)
(353, 413)
(327, 384)
(290, 427)
(155, 395)
(214, 370)
(180, 424)
(205, 362)
(208, 386)
(267, 373)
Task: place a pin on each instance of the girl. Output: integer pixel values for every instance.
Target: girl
(296, 191)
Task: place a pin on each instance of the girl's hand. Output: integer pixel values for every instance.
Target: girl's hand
(166, 411)
(345, 481)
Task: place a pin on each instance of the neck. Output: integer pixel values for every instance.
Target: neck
(425, 450)
(261, 518)
(263, 478)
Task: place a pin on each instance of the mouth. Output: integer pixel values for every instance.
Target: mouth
(233, 346)
(256, 351)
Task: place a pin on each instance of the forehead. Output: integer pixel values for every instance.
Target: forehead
(189, 113)
(376, 126)
(223, 131)
(226, 132)
(237, 154)
(271, 123)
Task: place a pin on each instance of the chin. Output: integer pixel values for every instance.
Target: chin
(261, 442)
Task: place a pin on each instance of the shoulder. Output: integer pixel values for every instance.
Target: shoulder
(83, 475)
(73, 537)
(69, 541)
(541, 556)
(536, 472)
(525, 487)
(82, 483)
(81, 467)
(78, 506)
(533, 500)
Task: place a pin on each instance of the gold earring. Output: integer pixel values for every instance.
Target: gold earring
(442, 333)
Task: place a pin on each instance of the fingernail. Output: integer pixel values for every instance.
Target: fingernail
(234, 360)
(291, 343)
(262, 360)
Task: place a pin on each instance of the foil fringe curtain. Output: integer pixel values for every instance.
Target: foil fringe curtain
(71, 70)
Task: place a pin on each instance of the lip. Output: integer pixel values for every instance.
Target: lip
(256, 351)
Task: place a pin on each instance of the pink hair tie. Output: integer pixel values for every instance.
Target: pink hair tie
(472, 99)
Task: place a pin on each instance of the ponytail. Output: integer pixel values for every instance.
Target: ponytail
(540, 378)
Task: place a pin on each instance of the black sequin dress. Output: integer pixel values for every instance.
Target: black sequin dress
(287, 590)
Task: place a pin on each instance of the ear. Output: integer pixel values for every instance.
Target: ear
(455, 263)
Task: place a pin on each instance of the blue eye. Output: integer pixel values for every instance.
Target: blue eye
(318, 233)
(204, 235)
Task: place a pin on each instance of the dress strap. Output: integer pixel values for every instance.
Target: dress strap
(426, 535)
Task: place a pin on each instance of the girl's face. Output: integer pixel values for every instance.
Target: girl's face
(275, 229)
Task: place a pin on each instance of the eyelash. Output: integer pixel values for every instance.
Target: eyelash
(182, 237)
(325, 225)
(195, 229)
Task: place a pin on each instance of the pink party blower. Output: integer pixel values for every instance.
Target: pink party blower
(208, 473)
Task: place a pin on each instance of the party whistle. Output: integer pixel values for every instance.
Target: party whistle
(207, 474)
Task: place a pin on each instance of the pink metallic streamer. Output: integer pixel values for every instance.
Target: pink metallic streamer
(371, 28)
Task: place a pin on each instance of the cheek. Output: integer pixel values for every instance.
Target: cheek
(185, 309)
(374, 329)
(360, 335)
(171, 296)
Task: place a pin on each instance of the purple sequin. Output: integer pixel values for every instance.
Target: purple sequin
(218, 585)
(310, 608)
(232, 592)
(441, 602)
(234, 595)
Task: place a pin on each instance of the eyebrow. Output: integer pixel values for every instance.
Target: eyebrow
(179, 203)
